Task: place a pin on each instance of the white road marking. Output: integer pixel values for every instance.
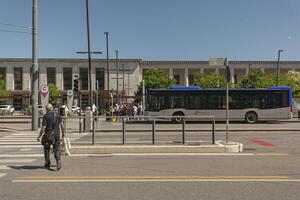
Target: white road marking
(7, 167)
(158, 180)
(2, 174)
(25, 149)
(16, 160)
(20, 155)
(21, 146)
(11, 143)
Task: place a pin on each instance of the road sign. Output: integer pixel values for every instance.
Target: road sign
(44, 92)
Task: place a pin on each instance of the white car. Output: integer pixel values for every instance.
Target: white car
(7, 110)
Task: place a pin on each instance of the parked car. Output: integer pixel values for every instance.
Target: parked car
(7, 110)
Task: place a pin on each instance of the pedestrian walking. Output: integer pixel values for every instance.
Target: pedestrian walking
(50, 133)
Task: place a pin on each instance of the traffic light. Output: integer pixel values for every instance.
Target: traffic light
(75, 85)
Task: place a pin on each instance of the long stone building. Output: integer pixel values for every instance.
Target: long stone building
(62, 72)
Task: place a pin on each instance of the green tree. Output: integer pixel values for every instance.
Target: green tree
(257, 79)
(294, 79)
(211, 80)
(139, 93)
(3, 91)
(291, 78)
(53, 93)
(156, 78)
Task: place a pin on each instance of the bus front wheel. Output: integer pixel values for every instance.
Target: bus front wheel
(251, 117)
(177, 117)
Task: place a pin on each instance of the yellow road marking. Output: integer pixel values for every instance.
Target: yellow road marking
(147, 177)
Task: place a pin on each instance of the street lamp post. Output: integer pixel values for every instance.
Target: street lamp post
(117, 71)
(278, 69)
(107, 59)
(123, 68)
(35, 67)
(89, 51)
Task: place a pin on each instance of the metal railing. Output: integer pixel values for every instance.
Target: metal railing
(125, 120)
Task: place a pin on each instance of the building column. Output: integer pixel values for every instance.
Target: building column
(171, 72)
(26, 78)
(186, 76)
(247, 71)
(232, 75)
(93, 78)
(10, 78)
(59, 77)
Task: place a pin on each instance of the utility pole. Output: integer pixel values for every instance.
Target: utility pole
(35, 67)
(107, 60)
(278, 67)
(117, 71)
(123, 68)
(89, 53)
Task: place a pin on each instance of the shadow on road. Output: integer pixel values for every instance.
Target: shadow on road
(27, 167)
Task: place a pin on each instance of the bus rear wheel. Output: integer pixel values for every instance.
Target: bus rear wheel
(251, 117)
(177, 117)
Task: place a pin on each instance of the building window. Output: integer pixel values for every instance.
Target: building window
(100, 77)
(191, 79)
(51, 75)
(67, 77)
(3, 76)
(84, 78)
(177, 79)
(18, 78)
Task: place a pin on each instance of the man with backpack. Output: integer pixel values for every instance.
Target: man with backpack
(50, 132)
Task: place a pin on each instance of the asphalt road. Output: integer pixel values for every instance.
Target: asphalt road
(267, 169)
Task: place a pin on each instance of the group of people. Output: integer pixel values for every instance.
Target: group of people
(128, 110)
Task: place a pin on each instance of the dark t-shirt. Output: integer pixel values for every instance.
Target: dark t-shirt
(52, 121)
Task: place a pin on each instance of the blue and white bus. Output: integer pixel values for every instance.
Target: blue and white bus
(250, 105)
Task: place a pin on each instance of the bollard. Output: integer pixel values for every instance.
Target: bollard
(213, 131)
(80, 123)
(93, 133)
(153, 131)
(123, 130)
(183, 131)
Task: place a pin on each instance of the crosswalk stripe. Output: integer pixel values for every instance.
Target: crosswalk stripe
(2, 174)
(16, 160)
(25, 140)
(20, 155)
(7, 167)
(21, 146)
(11, 143)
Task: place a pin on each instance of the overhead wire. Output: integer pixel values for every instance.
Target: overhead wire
(16, 26)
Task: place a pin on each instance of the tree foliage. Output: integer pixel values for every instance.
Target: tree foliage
(156, 78)
(210, 80)
(257, 79)
(3, 91)
(53, 93)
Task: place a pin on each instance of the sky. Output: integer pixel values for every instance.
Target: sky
(155, 29)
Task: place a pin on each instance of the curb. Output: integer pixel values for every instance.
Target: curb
(219, 147)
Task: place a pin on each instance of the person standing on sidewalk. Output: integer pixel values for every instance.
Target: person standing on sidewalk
(50, 132)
